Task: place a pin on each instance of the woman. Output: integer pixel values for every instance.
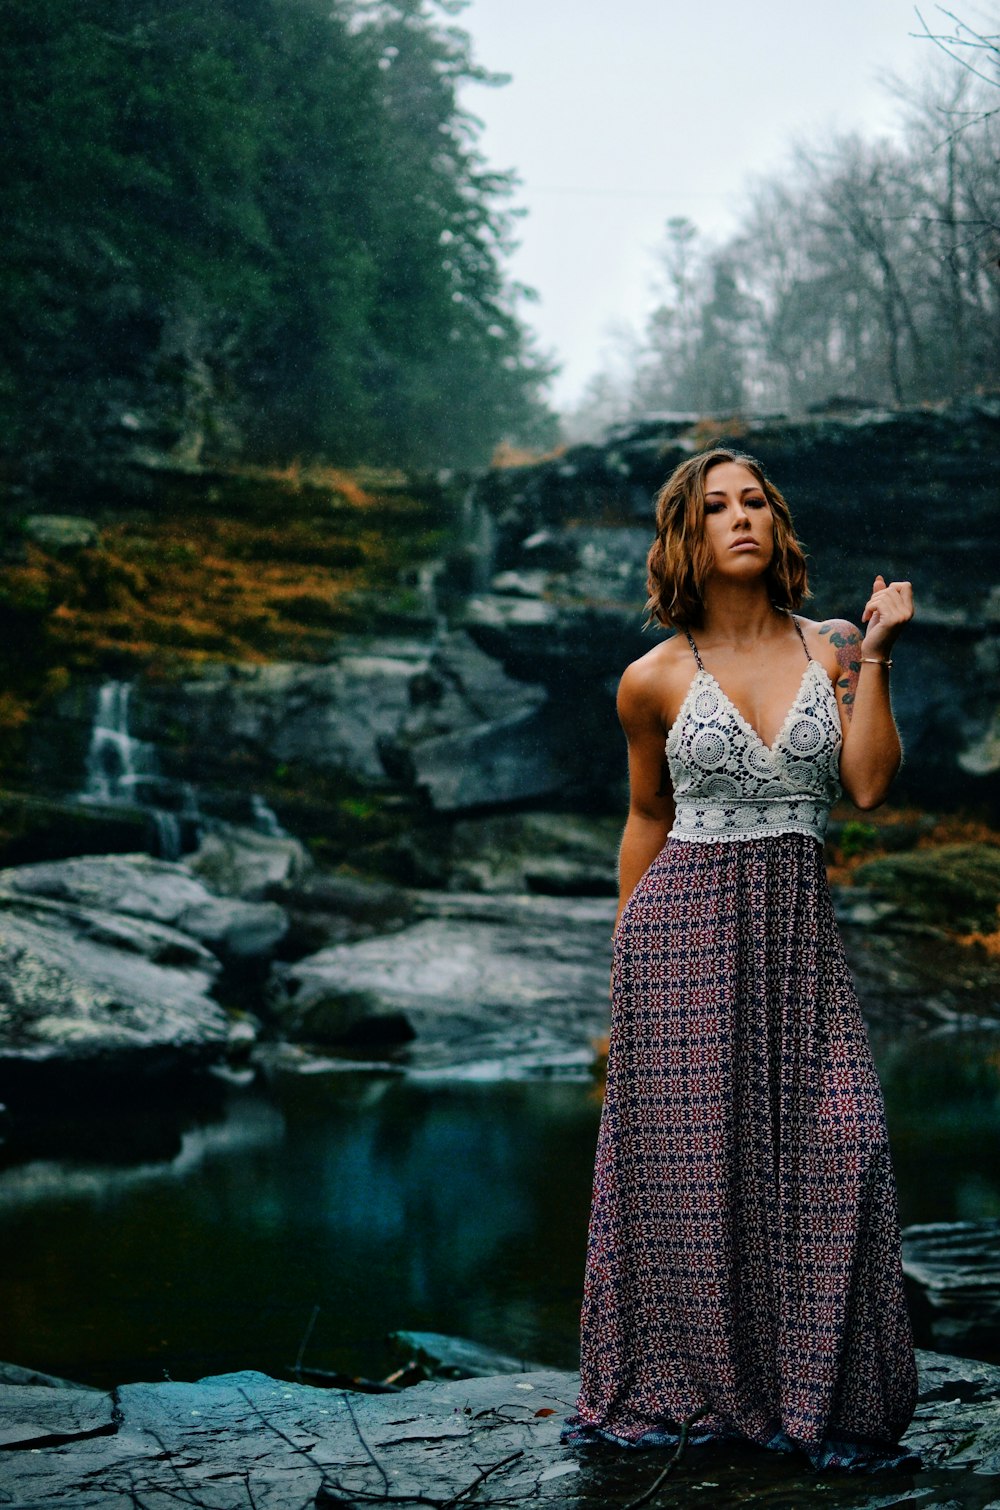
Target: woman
(743, 1263)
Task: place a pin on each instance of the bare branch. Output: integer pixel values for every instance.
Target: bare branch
(483, 1474)
(644, 1499)
(305, 1341)
(361, 1438)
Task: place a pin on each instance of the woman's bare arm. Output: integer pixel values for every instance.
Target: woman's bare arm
(871, 752)
(651, 802)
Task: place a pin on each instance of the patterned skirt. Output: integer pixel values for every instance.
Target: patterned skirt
(744, 1246)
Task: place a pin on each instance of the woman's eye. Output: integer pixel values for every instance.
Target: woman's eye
(756, 503)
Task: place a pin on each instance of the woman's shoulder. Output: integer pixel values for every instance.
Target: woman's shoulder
(834, 642)
(649, 685)
(662, 660)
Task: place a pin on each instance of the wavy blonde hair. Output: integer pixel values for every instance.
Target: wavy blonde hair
(680, 558)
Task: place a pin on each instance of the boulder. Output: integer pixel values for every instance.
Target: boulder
(563, 854)
(956, 1265)
(14, 1373)
(234, 861)
(357, 715)
(137, 886)
(444, 1357)
(60, 532)
(86, 1000)
(329, 908)
(37, 828)
(518, 980)
(500, 763)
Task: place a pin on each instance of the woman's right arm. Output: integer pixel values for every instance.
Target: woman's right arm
(651, 799)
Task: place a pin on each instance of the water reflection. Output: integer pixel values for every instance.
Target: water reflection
(391, 1204)
(942, 1092)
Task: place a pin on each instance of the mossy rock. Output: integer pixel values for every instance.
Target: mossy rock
(953, 886)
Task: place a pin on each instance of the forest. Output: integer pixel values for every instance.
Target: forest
(863, 272)
(258, 228)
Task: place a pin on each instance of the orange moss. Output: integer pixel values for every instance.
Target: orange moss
(707, 432)
(14, 712)
(507, 455)
(953, 828)
(988, 942)
(956, 829)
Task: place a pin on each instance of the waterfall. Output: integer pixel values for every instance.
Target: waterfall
(265, 819)
(116, 761)
(121, 769)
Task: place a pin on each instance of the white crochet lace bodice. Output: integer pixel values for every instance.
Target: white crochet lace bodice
(729, 784)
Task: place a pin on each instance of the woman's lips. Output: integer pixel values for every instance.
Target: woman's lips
(744, 545)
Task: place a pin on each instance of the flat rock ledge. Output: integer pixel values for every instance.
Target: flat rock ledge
(245, 1439)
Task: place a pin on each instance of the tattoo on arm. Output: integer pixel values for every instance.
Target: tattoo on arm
(848, 649)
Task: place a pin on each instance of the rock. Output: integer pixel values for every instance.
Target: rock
(85, 1000)
(309, 1006)
(562, 854)
(13, 1373)
(455, 1357)
(495, 764)
(59, 532)
(952, 886)
(34, 1417)
(358, 715)
(233, 861)
(240, 1439)
(327, 908)
(522, 980)
(159, 890)
(921, 979)
(36, 828)
(957, 1266)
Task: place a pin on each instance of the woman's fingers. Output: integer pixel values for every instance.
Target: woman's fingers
(890, 604)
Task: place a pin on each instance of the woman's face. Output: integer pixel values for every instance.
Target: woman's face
(739, 525)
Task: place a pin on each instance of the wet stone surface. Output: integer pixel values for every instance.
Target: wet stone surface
(957, 1266)
(479, 978)
(248, 1440)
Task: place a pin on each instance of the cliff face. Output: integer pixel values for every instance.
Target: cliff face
(463, 655)
(911, 495)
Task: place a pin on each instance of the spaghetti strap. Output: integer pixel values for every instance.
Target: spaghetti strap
(695, 649)
(801, 636)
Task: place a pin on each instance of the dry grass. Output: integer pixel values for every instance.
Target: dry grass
(258, 565)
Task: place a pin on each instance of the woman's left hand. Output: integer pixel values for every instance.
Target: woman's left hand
(887, 610)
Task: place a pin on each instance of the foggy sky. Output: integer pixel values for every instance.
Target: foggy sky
(622, 113)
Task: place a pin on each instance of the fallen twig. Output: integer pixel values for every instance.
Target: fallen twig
(305, 1341)
(688, 1421)
(484, 1474)
(329, 1488)
(360, 1436)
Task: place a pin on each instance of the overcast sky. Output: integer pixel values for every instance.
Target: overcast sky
(622, 113)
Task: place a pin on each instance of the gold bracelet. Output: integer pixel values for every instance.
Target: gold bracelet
(874, 660)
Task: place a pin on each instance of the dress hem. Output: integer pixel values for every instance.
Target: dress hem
(852, 1454)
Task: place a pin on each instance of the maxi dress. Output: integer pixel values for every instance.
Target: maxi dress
(744, 1247)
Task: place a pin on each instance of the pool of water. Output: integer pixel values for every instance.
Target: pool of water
(387, 1202)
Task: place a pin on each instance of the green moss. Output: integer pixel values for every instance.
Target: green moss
(953, 886)
(858, 838)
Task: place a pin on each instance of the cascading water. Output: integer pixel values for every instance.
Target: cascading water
(265, 819)
(115, 760)
(123, 769)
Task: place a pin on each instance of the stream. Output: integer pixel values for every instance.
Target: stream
(201, 1244)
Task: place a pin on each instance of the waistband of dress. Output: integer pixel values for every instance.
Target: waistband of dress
(743, 819)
